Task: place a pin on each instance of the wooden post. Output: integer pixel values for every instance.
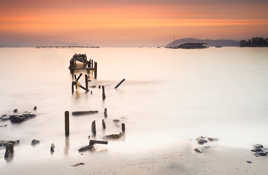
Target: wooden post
(72, 87)
(86, 81)
(123, 127)
(95, 69)
(103, 124)
(103, 93)
(93, 128)
(105, 113)
(67, 124)
(119, 83)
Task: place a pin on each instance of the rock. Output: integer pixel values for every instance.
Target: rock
(15, 110)
(201, 149)
(201, 140)
(211, 139)
(258, 146)
(248, 161)
(35, 108)
(78, 164)
(3, 126)
(4, 117)
(261, 153)
(20, 118)
(35, 142)
(197, 150)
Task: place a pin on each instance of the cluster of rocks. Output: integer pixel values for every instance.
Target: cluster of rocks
(16, 117)
(259, 150)
(204, 141)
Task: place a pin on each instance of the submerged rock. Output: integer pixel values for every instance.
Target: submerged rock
(21, 118)
(15, 110)
(35, 142)
(201, 140)
(4, 117)
(259, 150)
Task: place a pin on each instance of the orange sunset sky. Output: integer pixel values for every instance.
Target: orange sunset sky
(129, 22)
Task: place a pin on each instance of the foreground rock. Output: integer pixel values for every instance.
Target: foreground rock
(204, 141)
(21, 118)
(259, 150)
(35, 142)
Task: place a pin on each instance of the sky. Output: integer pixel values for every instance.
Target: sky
(129, 22)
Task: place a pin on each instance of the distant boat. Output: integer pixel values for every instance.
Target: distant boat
(191, 46)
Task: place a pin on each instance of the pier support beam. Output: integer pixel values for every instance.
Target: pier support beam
(67, 124)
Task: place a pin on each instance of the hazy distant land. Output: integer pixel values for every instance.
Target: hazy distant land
(226, 43)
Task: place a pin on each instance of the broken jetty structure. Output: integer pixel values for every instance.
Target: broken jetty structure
(79, 65)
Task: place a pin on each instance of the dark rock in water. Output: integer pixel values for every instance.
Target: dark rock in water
(78, 164)
(35, 142)
(3, 126)
(259, 150)
(248, 161)
(201, 140)
(261, 153)
(21, 118)
(15, 110)
(211, 139)
(4, 117)
(16, 118)
(258, 146)
(35, 108)
(197, 150)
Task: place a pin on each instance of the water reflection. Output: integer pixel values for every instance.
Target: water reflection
(67, 146)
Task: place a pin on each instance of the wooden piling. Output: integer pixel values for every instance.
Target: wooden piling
(103, 124)
(123, 127)
(119, 83)
(86, 81)
(72, 87)
(95, 69)
(103, 93)
(9, 150)
(67, 124)
(105, 113)
(93, 128)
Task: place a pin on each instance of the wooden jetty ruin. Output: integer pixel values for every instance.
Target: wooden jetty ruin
(79, 65)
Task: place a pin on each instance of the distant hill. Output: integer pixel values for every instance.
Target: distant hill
(176, 43)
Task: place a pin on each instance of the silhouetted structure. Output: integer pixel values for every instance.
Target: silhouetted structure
(254, 42)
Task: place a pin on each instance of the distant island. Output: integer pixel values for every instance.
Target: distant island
(214, 43)
(52, 46)
(254, 42)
